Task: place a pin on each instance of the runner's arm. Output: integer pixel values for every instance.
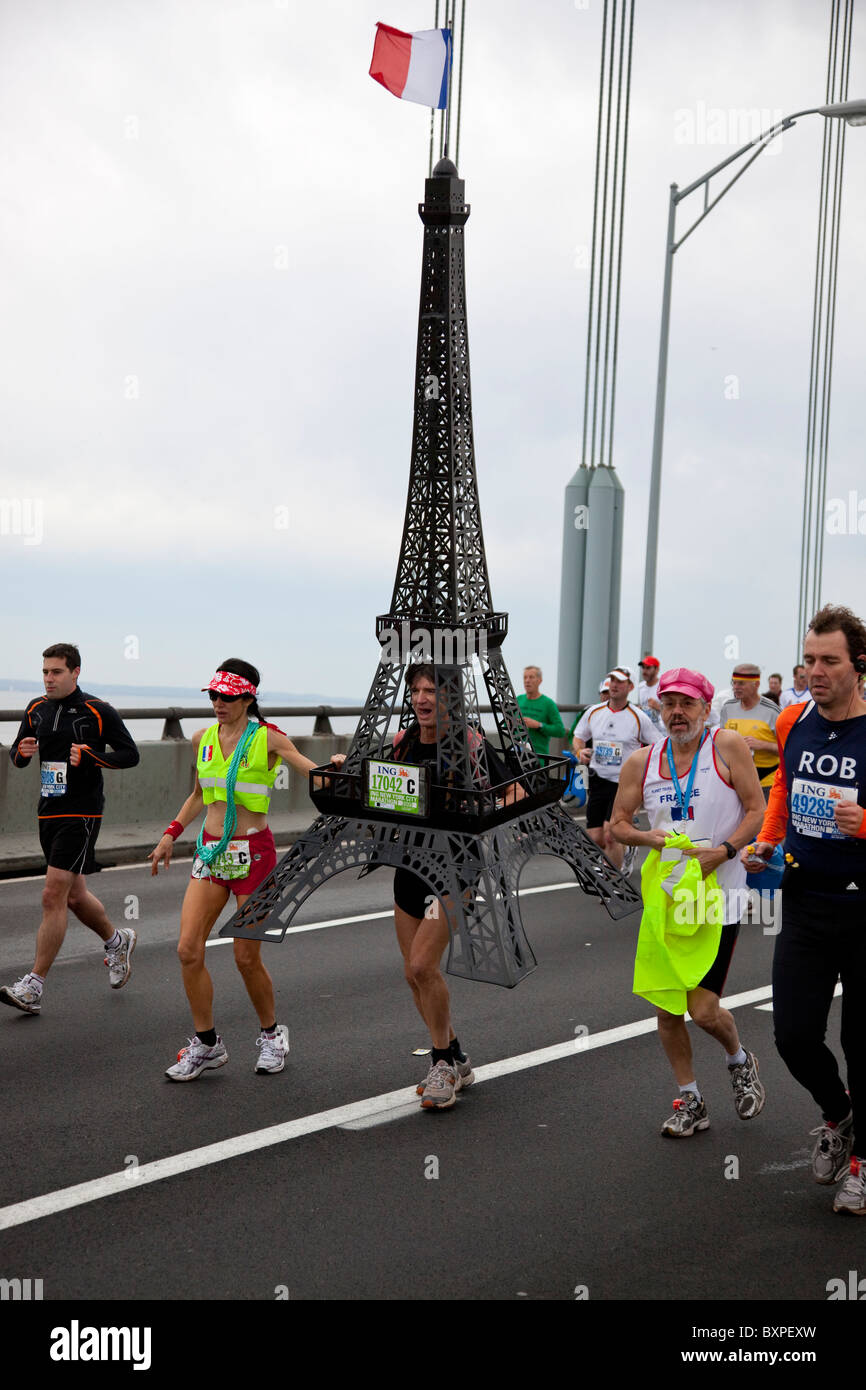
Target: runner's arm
(582, 734)
(745, 782)
(775, 823)
(24, 735)
(282, 745)
(189, 812)
(115, 733)
(552, 726)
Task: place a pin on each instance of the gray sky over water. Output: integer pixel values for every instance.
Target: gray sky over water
(211, 256)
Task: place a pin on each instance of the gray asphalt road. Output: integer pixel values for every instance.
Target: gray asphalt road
(548, 1183)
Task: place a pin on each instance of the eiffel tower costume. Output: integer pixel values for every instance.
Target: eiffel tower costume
(474, 838)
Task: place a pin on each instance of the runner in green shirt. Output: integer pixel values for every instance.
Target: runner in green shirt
(540, 714)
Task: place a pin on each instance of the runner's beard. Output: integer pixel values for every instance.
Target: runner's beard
(687, 733)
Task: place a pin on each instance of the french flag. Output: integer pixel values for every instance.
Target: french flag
(413, 66)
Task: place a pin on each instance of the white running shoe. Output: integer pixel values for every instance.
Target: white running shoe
(831, 1156)
(464, 1069)
(22, 995)
(441, 1086)
(274, 1050)
(198, 1057)
(851, 1196)
(118, 961)
(749, 1092)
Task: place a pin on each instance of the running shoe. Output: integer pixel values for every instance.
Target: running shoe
(441, 1087)
(628, 859)
(689, 1114)
(749, 1093)
(852, 1194)
(832, 1152)
(274, 1050)
(22, 995)
(198, 1057)
(467, 1076)
(118, 961)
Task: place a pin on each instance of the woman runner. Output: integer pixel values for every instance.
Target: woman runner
(236, 764)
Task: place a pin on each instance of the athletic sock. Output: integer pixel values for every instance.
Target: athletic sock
(457, 1051)
(736, 1059)
(691, 1086)
(113, 941)
(269, 1032)
(441, 1054)
(208, 1037)
(834, 1124)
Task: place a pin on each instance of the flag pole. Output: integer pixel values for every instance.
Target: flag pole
(450, 71)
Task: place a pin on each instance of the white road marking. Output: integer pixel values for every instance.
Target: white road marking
(374, 1106)
(372, 916)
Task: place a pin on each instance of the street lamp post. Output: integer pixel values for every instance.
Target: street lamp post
(854, 112)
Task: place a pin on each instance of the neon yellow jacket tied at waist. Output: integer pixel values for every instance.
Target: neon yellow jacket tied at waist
(255, 779)
(679, 933)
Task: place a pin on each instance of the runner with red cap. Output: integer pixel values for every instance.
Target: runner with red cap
(236, 764)
(648, 689)
(703, 785)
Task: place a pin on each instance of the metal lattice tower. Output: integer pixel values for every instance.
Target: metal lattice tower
(472, 845)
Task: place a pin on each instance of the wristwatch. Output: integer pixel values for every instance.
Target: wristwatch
(729, 849)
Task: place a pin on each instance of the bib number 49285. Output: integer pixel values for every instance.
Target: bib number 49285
(813, 805)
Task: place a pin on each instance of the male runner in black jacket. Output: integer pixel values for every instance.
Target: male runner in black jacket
(69, 730)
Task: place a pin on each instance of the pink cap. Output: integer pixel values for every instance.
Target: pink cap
(686, 682)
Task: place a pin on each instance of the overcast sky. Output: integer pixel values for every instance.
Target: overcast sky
(211, 257)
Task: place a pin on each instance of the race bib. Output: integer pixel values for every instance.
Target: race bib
(234, 862)
(53, 779)
(608, 754)
(399, 787)
(812, 806)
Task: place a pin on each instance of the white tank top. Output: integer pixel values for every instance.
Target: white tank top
(714, 812)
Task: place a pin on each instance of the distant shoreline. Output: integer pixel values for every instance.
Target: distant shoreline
(175, 692)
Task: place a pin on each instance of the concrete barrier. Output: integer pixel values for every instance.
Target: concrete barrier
(140, 801)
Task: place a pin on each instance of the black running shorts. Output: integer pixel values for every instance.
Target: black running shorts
(411, 893)
(599, 802)
(67, 842)
(718, 972)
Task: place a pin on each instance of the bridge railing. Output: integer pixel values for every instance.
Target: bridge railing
(173, 714)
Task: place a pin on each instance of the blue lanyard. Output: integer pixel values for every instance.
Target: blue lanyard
(684, 800)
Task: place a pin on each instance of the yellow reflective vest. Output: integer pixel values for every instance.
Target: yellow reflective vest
(255, 780)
